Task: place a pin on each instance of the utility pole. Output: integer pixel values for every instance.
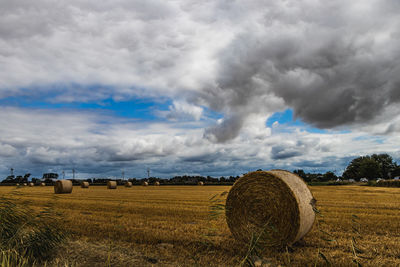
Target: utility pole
(123, 175)
(148, 172)
(12, 172)
(73, 173)
(63, 174)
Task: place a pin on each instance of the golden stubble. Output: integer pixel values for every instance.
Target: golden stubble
(171, 226)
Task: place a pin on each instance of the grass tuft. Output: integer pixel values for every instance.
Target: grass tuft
(26, 236)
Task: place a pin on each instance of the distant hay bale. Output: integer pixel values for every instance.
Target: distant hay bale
(63, 187)
(145, 183)
(17, 184)
(157, 183)
(112, 185)
(128, 184)
(275, 205)
(25, 184)
(31, 184)
(200, 183)
(42, 184)
(85, 184)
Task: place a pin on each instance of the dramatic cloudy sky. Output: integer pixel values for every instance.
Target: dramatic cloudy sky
(196, 87)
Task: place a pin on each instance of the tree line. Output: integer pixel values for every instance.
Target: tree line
(371, 167)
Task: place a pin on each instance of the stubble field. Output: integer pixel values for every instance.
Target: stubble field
(171, 226)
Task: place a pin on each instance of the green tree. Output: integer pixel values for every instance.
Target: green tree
(373, 166)
(386, 164)
(370, 168)
(328, 176)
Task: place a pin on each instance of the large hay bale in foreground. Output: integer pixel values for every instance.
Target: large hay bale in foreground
(63, 187)
(128, 184)
(85, 184)
(200, 183)
(157, 183)
(145, 183)
(275, 205)
(31, 184)
(112, 185)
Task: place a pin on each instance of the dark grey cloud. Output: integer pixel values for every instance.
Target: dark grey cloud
(283, 151)
(336, 64)
(333, 69)
(279, 152)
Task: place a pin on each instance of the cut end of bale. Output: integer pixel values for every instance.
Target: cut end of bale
(112, 185)
(275, 205)
(63, 187)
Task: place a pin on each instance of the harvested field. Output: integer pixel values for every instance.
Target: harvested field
(171, 226)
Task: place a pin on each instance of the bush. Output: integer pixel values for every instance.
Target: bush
(386, 183)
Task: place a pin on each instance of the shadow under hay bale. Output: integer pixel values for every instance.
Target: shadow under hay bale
(112, 185)
(275, 205)
(63, 187)
(128, 184)
(85, 185)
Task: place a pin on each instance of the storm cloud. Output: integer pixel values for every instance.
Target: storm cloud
(335, 64)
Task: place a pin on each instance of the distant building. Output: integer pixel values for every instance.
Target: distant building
(50, 176)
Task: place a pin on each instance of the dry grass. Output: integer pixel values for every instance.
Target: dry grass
(170, 226)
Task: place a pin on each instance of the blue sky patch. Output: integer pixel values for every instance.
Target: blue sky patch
(287, 118)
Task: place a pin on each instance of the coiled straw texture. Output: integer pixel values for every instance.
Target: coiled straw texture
(275, 206)
(112, 185)
(63, 187)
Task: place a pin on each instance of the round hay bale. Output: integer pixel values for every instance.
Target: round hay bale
(145, 184)
(112, 185)
(17, 184)
(128, 184)
(275, 205)
(85, 184)
(63, 187)
(31, 184)
(200, 183)
(25, 184)
(42, 184)
(157, 183)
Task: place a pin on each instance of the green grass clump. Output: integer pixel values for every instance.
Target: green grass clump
(28, 237)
